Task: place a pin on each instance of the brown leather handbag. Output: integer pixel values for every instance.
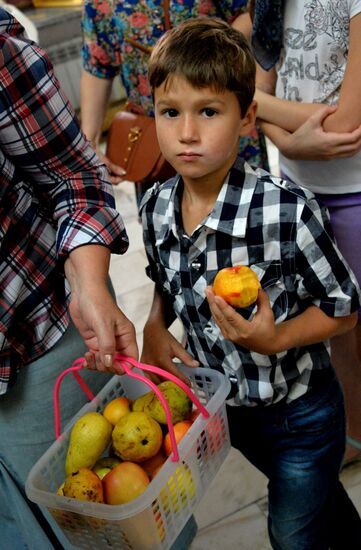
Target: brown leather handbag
(132, 144)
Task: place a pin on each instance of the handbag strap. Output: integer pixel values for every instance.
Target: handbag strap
(167, 26)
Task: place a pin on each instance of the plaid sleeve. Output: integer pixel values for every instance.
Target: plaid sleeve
(42, 137)
(324, 276)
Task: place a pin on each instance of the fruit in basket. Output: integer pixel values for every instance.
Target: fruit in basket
(89, 437)
(179, 403)
(60, 490)
(116, 408)
(84, 485)
(154, 463)
(141, 402)
(136, 437)
(180, 429)
(103, 466)
(237, 285)
(124, 483)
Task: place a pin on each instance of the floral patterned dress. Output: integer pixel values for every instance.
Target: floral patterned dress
(110, 29)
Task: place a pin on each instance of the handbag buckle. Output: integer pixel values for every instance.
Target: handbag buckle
(134, 134)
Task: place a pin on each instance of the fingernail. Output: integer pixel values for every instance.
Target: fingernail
(108, 360)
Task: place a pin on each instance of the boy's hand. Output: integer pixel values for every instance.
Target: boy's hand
(259, 335)
(160, 347)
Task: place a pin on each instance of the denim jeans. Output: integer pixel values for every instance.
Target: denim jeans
(299, 447)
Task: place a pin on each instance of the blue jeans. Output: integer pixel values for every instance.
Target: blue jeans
(299, 447)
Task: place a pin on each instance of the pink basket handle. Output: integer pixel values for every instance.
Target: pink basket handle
(125, 362)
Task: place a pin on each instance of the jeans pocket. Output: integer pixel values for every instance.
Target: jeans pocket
(316, 417)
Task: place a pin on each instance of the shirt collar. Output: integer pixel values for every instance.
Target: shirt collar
(231, 208)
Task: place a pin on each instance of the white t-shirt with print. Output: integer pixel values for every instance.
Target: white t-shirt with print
(311, 69)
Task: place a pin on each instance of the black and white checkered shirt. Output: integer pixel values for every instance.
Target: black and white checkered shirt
(278, 230)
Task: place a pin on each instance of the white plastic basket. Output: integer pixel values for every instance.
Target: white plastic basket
(153, 520)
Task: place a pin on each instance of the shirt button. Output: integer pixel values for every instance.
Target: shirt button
(196, 265)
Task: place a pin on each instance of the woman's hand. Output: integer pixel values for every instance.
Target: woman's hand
(104, 328)
(116, 172)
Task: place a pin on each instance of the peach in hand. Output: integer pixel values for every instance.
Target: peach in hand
(237, 285)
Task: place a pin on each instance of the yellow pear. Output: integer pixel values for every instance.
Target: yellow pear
(179, 403)
(140, 403)
(84, 485)
(136, 437)
(89, 437)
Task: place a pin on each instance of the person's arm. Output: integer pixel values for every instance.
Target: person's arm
(103, 326)
(290, 115)
(94, 97)
(311, 142)
(101, 58)
(72, 189)
(324, 284)
(160, 347)
(348, 115)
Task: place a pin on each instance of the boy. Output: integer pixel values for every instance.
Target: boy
(285, 409)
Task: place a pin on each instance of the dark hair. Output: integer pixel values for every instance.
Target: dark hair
(207, 52)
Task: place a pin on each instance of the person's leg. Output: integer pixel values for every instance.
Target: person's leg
(186, 536)
(27, 431)
(299, 448)
(346, 349)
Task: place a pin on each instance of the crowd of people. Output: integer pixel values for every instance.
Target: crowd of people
(217, 77)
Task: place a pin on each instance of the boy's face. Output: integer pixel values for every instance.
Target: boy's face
(199, 129)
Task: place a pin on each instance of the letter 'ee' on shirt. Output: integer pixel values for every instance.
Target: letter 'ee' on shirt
(280, 231)
(54, 197)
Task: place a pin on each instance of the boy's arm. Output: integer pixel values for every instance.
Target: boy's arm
(160, 347)
(262, 335)
(327, 294)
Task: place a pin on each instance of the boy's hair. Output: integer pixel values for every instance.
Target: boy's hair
(207, 52)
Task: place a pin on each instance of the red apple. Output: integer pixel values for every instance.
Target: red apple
(125, 482)
(180, 429)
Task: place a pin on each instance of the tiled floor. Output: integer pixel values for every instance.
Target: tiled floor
(232, 513)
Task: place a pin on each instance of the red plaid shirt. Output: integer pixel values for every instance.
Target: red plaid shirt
(54, 197)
